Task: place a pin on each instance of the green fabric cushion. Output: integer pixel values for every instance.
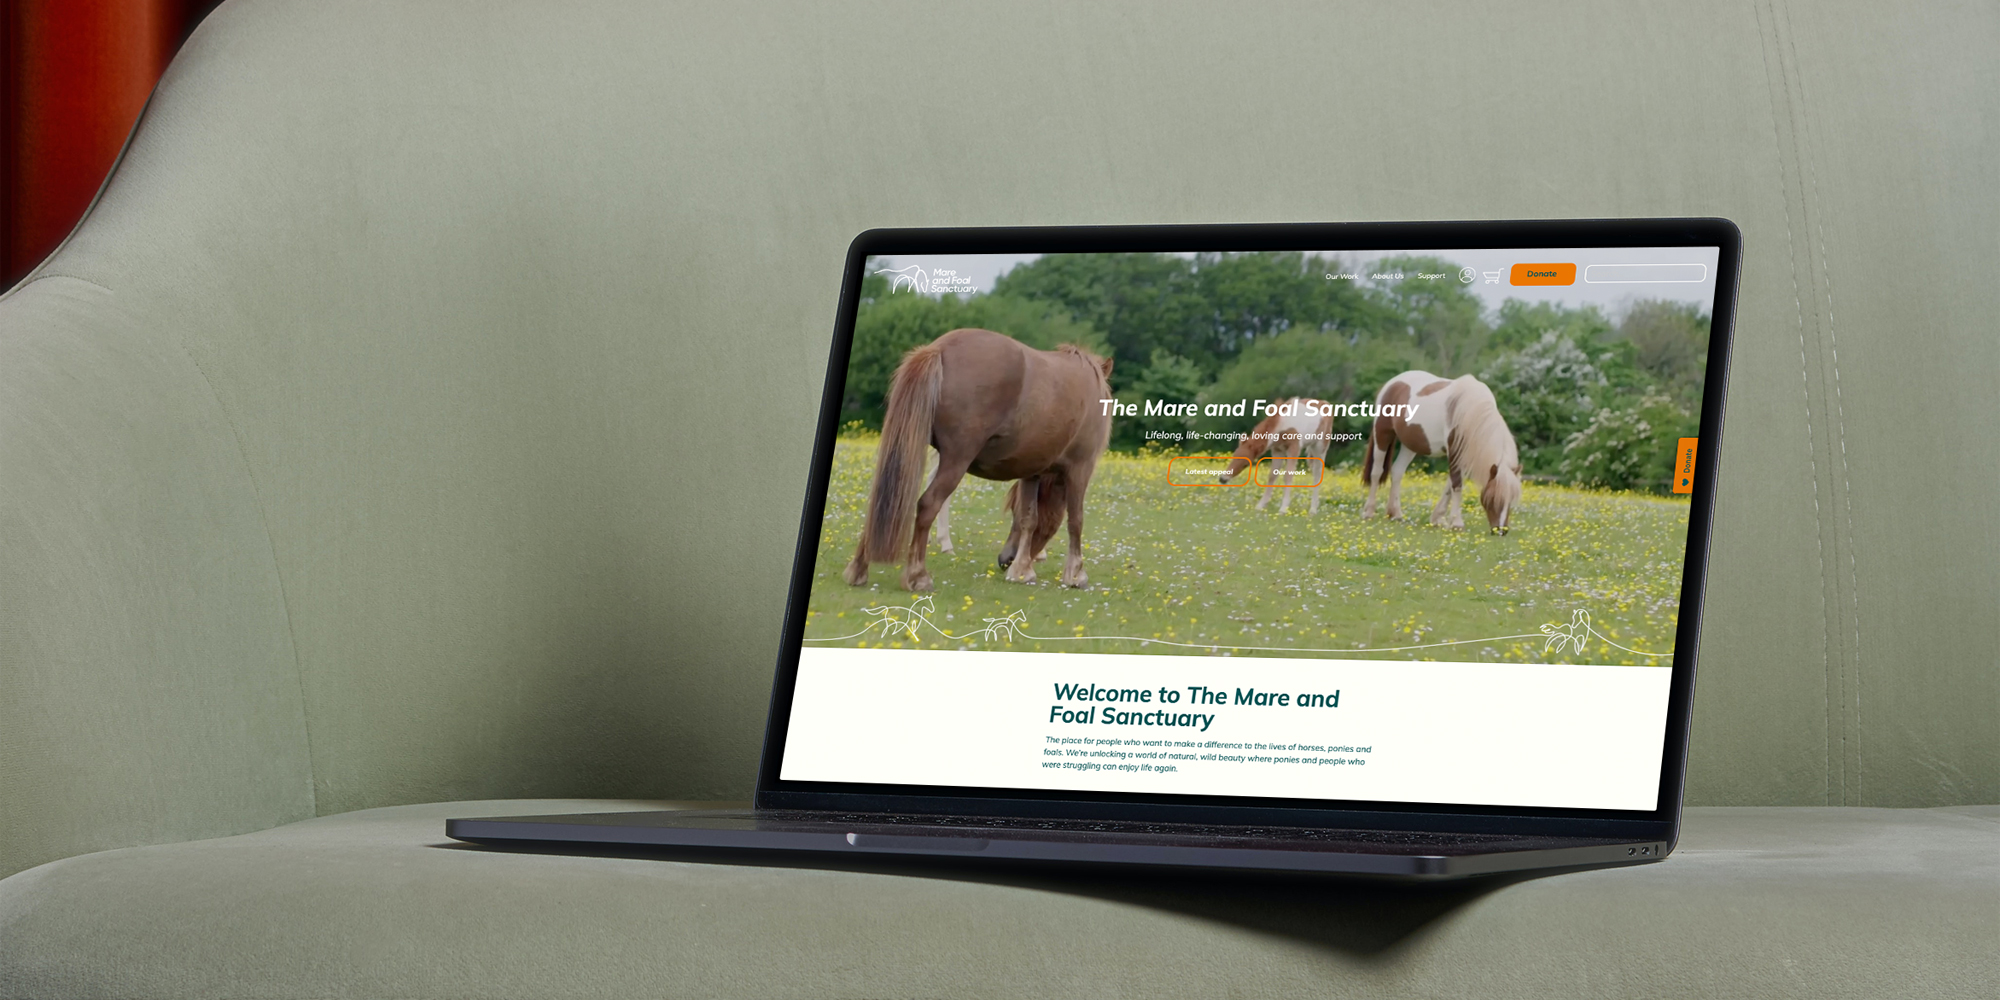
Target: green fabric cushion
(1756, 902)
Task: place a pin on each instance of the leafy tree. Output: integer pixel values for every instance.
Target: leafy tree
(1561, 369)
(1628, 448)
(1547, 391)
(1141, 302)
(1440, 316)
(1166, 377)
(888, 325)
(1205, 308)
(1255, 296)
(1670, 343)
(1519, 324)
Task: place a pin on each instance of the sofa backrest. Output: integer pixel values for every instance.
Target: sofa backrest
(421, 411)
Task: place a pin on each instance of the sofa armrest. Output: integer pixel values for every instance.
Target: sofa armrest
(148, 688)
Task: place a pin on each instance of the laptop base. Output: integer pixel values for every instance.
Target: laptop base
(1265, 848)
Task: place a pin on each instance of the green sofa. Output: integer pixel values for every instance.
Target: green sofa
(419, 416)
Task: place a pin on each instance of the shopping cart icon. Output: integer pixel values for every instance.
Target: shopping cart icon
(1492, 277)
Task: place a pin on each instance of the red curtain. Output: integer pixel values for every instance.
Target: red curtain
(76, 74)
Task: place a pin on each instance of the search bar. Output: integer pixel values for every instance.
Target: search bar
(1644, 274)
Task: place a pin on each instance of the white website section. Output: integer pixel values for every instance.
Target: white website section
(1549, 735)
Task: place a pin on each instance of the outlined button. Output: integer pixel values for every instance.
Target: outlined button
(1543, 274)
(1201, 470)
(1295, 472)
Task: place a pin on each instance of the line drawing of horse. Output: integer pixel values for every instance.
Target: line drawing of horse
(998, 409)
(1456, 418)
(1575, 632)
(1004, 629)
(915, 276)
(1289, 438)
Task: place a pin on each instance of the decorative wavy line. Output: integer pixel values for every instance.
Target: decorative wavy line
(1013, 624)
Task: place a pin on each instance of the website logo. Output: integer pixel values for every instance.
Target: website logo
(941, 281)
(914, 276)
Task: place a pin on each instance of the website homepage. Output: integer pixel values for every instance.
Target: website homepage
(1397, 526)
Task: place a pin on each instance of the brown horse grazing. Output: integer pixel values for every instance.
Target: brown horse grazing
(997, 409)
(1456, 418)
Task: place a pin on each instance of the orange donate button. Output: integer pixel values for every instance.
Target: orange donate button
(1544, 274)
(1684, 466)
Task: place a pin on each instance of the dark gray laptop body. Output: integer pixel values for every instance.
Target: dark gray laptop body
(807, 816)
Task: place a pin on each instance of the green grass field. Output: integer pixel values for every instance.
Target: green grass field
(1178, 569)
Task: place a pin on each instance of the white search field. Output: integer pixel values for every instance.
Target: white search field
(1644, 274)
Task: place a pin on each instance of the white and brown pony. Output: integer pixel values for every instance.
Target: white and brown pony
(997, 409)
(1456, 418)
(1289, 434)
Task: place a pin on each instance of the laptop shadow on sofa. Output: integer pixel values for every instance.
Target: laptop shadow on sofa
(1354, 915)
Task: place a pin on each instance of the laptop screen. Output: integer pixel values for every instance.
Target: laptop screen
(1366, 526)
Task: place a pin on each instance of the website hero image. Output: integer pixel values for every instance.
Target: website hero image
(1369, 526)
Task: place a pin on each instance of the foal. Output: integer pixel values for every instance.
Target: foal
(1288, 433)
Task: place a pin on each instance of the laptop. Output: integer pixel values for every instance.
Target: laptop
(1373, 549)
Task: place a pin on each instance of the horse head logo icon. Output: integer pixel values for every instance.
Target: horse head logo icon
(914, 275)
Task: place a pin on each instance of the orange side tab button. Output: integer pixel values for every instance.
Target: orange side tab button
(1684, 466)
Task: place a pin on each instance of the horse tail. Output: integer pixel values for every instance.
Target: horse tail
(899, 459)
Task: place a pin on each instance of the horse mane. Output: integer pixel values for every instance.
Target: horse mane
(1480, 437)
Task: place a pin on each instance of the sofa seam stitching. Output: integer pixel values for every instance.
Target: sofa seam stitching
(1839, 408)
(263, 522)
(277, 570)
(1781, 94)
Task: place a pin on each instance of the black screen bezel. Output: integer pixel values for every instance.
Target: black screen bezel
(1659, 823)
